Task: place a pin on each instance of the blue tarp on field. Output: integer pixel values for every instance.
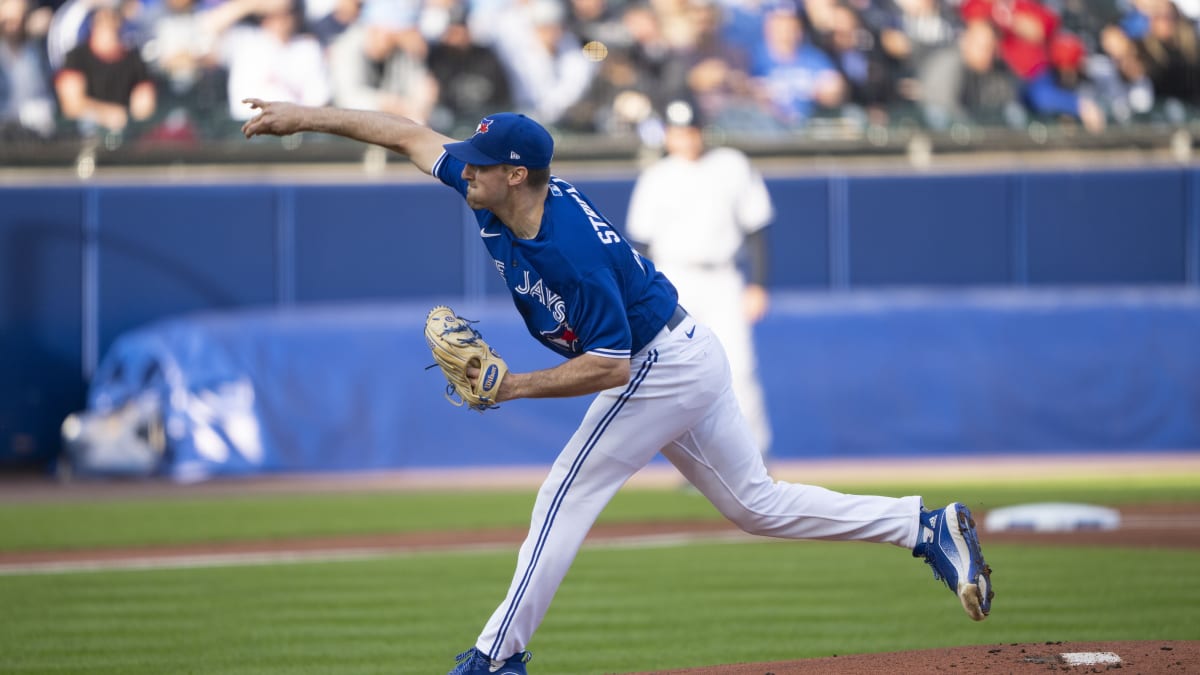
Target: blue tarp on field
(846, 375)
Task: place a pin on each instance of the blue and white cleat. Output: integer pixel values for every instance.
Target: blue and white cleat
(475, 662)
(948, 543)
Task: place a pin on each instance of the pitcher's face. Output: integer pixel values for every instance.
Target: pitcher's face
(487, 186)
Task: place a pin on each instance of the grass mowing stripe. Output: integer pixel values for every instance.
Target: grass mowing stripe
(76, 525)
(184, 519)
(285, 557)
(619, 610)
(175, 520)
(256, 619)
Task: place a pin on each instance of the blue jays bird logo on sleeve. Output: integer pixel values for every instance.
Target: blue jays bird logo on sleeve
(562, 338)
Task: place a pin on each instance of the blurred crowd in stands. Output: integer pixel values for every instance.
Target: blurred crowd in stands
(179, 69)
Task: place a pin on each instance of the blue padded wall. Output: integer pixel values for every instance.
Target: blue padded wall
(800, 253)
(1114, 227)
(81, 265)
(170, 250)
(930, 230)
(371, 242)
(41, 318)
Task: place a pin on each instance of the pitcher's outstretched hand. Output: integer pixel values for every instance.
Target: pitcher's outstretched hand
(275, 118)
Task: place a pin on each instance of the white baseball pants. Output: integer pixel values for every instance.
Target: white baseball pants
(679, 401)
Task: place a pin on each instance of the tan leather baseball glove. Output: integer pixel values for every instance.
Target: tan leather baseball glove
(456, 345)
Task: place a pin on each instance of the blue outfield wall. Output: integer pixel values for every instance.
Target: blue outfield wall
(83, 265)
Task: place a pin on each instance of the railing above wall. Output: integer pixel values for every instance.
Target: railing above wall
(825, 138)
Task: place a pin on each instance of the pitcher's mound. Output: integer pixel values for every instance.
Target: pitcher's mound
(1149, 657)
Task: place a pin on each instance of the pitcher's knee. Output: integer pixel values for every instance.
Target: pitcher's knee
(751, 522)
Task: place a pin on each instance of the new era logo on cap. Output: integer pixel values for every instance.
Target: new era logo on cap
(506, 138)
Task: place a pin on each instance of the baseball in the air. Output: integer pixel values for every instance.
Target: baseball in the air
(595, 51)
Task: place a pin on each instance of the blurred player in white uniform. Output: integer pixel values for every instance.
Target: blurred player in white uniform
(693, 212)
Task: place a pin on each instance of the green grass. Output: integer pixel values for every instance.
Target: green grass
(188, 517)
(620, 610)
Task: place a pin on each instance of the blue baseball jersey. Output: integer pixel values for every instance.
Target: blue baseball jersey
(579, 285)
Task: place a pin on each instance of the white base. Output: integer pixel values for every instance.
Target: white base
(1052, 517)
(1090, 658)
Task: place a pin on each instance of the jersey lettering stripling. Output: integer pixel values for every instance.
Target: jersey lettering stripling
(603, 230)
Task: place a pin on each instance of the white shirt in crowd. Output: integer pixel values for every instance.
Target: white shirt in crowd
(261, 66)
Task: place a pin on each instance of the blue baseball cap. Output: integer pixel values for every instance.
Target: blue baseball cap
(506, 138)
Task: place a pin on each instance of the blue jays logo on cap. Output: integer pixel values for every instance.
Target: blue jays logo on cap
(506, 138)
